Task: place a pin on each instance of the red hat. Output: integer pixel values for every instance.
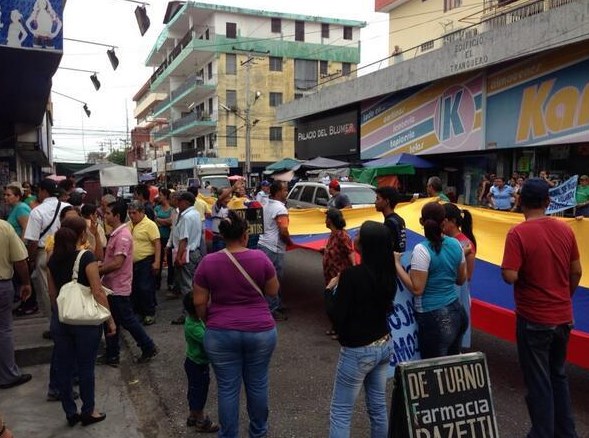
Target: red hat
(334, 184)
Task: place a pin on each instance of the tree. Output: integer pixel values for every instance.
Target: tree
(95, 157)
(117, 157)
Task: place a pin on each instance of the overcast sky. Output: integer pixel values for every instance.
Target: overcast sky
(113, 22)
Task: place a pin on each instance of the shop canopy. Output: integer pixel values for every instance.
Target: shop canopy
(284, 164)
(118, 176)
(369, 175)
(94, 168)
(394, 160)
(324, 163)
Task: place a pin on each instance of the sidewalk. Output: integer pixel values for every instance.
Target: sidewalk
(28, 414)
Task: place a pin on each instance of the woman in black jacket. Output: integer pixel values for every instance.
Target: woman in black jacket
(363, 297)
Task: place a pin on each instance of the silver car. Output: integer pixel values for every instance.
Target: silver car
(308, 194)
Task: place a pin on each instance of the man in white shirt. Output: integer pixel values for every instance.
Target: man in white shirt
(186, 240)
(275, 239)
(43, 222)
(263, 195)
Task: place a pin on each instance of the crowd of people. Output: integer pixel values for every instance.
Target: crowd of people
(230, 320)
(499, 193)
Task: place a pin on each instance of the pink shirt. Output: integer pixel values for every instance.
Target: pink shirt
(120, 243)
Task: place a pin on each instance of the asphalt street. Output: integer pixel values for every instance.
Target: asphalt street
(302, 371)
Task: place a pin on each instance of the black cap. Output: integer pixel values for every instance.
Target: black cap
(187, 196)
(534, 190)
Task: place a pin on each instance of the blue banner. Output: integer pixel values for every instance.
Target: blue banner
(32, 24)
(562, 197)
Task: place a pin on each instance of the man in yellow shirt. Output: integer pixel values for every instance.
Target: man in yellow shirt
(146, 261)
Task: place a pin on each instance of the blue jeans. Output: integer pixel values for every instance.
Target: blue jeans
(237, 356)
(440, 331)
(277, 259)
(143, 296)
(363, 366)
(75, 345)
(198, 384)
(122, 312)
(542, 353)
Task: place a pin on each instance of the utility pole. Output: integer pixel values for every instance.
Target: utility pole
(247, 167)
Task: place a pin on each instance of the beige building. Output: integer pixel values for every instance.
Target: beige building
(220, 73)
(420, 26)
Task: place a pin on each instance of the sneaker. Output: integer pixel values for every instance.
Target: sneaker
(146, 356)
(110, 361)
(178, 321)
(279, 315)
(148, 320)
(203, 426)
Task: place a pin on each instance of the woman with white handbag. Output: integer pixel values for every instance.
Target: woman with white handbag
(73, 272)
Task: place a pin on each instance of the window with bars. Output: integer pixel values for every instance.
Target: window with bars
(348, 32)
(451, 4)
(231, 30)
(346, 68)
(231, 139)
(324, 30)
(299, 30)
(276, 25)
(428, 45)
(231, 98)
(231, 64)
(275, 63)
(323, 68)
(275, 133)
(306, 73)
(275, 99)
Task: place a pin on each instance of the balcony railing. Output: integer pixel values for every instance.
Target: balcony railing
(161, 133)
(186, 85)
(186, 39)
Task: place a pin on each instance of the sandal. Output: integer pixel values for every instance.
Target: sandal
(335, 337)
(330, 332)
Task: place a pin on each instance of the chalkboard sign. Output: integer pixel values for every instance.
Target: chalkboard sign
(444, 397)
(254, 218)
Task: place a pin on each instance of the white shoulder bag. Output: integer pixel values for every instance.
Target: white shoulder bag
(76, 304)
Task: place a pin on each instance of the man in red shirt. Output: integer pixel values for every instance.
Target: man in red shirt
(541, 260)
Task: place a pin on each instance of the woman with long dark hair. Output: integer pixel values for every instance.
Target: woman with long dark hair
(364, 295)
(459, 225)
(241, 334)
(76, 346)
(437, 266)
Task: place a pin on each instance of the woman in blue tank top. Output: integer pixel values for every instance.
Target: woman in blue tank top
(437, 266)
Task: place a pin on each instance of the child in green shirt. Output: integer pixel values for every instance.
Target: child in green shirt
(196, 366)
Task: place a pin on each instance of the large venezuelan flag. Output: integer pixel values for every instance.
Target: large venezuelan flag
(492, 299)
